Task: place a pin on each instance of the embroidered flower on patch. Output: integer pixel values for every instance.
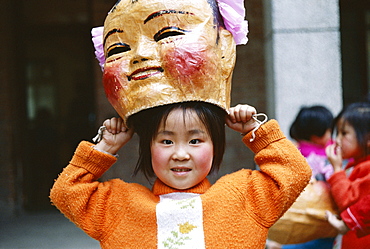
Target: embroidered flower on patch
(186, 228)
(177, 238)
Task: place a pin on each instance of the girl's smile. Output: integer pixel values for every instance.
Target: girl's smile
(182, 150)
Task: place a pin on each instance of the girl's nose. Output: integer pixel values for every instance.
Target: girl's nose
(180, 154)
(337, 139)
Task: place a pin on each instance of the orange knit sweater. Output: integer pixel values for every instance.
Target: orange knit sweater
(237, 210)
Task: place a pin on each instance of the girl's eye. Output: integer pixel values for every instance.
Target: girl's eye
(194, 141)
(342, 132)
(166, 141)
(118, 48)
(168, 32)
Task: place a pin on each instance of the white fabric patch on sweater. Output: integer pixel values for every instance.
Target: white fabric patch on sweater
(180, 221)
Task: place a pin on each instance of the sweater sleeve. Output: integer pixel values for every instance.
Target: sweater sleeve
(283, 174)
(357, 217)
(80, 197)
(348, 190)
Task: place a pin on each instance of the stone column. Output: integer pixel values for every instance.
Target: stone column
(303, 57)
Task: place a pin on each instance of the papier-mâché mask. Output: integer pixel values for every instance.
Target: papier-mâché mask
(163, 51)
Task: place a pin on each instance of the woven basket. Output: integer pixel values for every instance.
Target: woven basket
(305, 220)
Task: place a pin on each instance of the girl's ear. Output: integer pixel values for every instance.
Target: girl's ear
(228, 53)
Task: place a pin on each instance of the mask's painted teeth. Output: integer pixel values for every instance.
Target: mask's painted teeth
(145, 73)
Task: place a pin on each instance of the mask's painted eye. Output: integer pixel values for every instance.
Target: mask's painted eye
(168, 32)
(118, 48)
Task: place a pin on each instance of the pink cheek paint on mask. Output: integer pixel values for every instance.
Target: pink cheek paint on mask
(186, 64)
(112, 84)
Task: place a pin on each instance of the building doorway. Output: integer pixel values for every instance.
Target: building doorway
(355, 46)
(57, 78)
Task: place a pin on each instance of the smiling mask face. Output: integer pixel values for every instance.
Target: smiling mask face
(164, 51)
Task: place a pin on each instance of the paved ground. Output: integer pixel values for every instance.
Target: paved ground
(48, 230)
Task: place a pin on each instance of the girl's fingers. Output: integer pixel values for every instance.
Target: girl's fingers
(232, 112)
(330, 150)
(338, 150)
(241, 113)
(123, 128)
(115, 125)
(333, 150)
(107, 124)
(246, 113)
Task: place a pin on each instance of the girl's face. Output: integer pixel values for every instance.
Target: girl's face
(347, 140)
(324, 140)
(182, 150)
(163, 50)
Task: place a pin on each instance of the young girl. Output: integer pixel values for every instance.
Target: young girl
(181, 144)
(351, 184)
(159, 53)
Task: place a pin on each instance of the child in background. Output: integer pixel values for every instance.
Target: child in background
(311, 129)
(351, 184)
(355, 218)
(181, 144)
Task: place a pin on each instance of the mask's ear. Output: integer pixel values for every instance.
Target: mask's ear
(228, 53)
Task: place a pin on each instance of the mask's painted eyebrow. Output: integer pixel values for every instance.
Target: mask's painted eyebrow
(164, 12)
(113, 31)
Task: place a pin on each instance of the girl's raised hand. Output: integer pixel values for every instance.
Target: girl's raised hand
(240, 118)
(115, 136)
(334, 154)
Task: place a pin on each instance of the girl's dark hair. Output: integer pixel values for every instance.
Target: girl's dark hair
(358, 116)
(314, 120)
(146, 124)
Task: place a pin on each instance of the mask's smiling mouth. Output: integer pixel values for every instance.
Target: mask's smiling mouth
(144, 73)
